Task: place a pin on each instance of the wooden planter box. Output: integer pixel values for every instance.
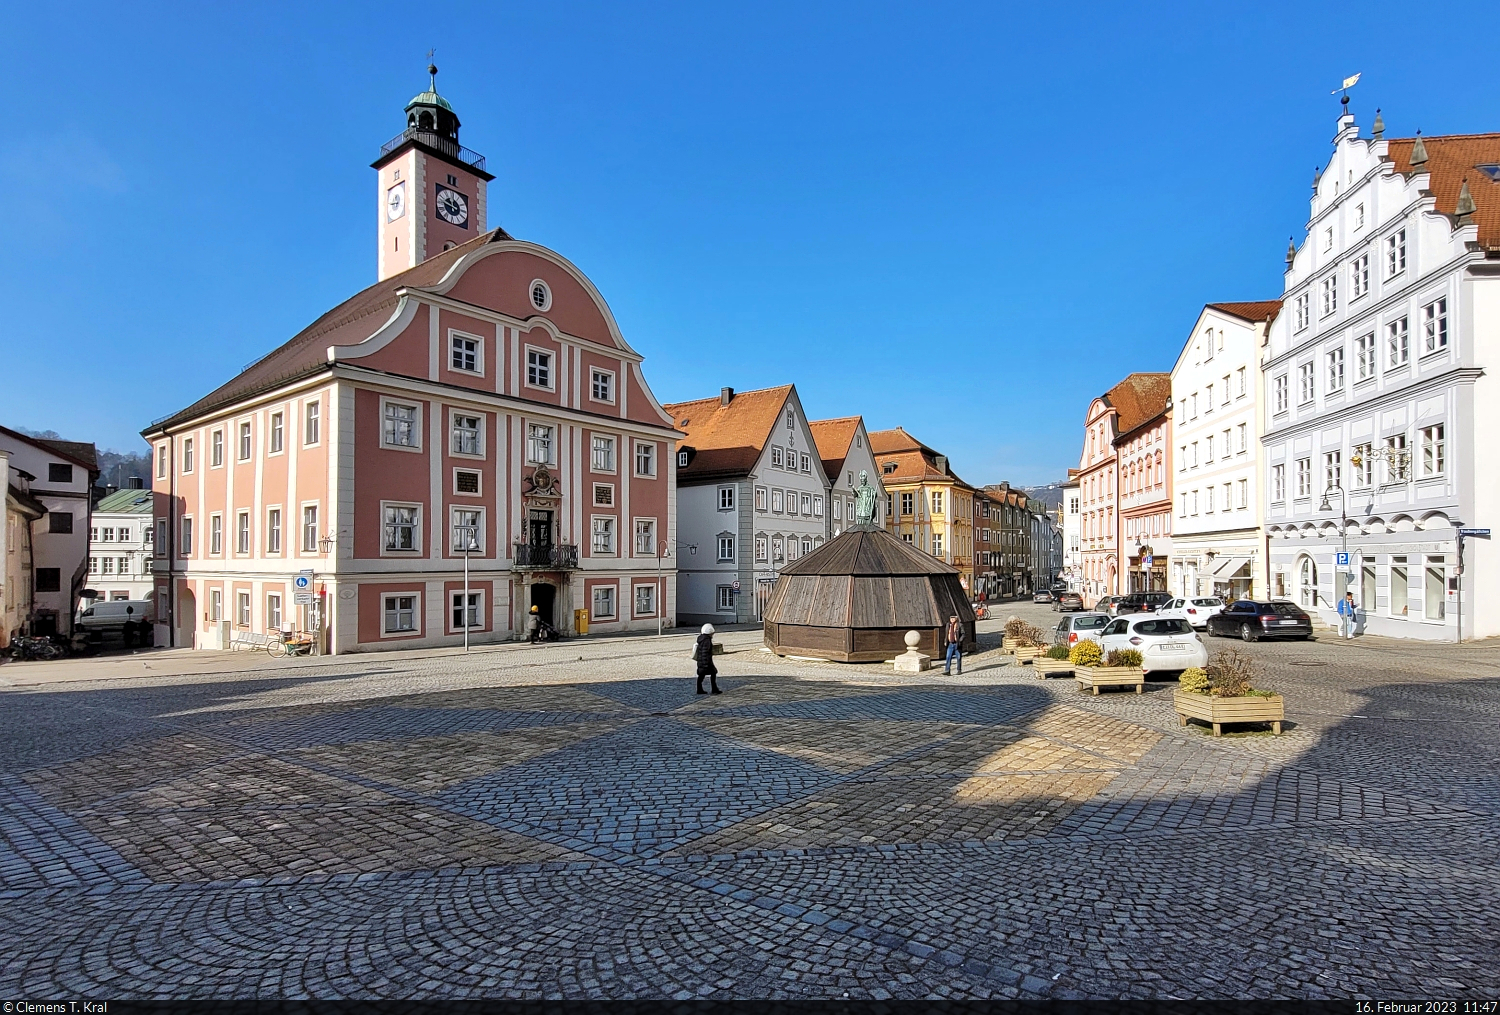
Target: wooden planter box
(1026, 654)
(1218, 711)
(1051, 667)
(1008, 644)
(1095, 677)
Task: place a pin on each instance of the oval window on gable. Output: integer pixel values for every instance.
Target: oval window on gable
(541, 295)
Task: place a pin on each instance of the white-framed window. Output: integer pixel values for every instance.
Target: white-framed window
(242, 532)
(807, 504)
(1435, 326)
(1193, 501)
(837, 504)
(1397, 342)
(309, 528)
(761, 549)
(1434, 450)
(1303, 311)
(817, 507)
(1208, 500)
(1244, 497)
(791, 502)
(1364, 357)
(807, 464)
(161, 537)
(1362, 466)
(242, 609)
(466, 610)
(682, 459)
(603, 531)
(187, 536)
(1335, 370)
(1304, 477)
(399, 613)
(602, 453)
(908, 503)
(402, 534)
(273, 611)
(541, 295)
(311, 423)
(776, 459)
(468, 529)
(807, 544)
(937, 502)
(1395, 253)
(776, 548)
(1208, 398)
(760, 499)
(216, 449)
(538, 368)
(1395, 449)
(1330, 292)
(187, 455)
(245, 441)
(601, 385)
(645, 459)
(273, 530)
(1307, 383)
(1225, 389)
(603, 602)
(604, 495)
(215, 535)
(401, 425)
(726, 549)
(1333, 469)
(108, 565)
(1244, 445)
(1359, 277)
(278, 433)
(724, 599)
(776, 502)
(1240, 374)
(726, 498)
(215, 605)
(645, 600)
(1359, 215)
(465, 352)
(161, 461)
(467, 434)
(937, 544)
(108, 537)
(1279, 393)
(1208, 344)
(539, 444)
(1328, 232)
(1208, 449)
(645, 537)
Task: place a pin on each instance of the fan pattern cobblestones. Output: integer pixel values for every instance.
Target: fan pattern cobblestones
(528, 823)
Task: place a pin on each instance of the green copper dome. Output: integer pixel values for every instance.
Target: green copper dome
(430, 97)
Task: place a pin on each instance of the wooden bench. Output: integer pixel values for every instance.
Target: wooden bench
(1095, 677)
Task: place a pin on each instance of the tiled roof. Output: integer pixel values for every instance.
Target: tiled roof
(1138, 399)
(1451, 159)
(915, 462)
(307, 352)
(126, 502)
(834, 438)
(727, 439)
(81, 452)
(1263, 310)
(882, 441)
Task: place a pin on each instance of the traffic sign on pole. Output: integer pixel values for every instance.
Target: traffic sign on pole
(1342, 560)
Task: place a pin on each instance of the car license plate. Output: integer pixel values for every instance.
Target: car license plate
(1284, 622)
(1174, 648)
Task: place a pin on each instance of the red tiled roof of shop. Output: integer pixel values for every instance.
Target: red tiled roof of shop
(1262, 310)
(1451, 159)
(1138, 399)
(729, 438)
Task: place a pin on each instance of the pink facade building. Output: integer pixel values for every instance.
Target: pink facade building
(478, 401)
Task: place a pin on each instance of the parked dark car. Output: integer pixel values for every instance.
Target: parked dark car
(1067, 602)
(1107, 604)
(1252, 621)
(1142, 602)
(1041, 596)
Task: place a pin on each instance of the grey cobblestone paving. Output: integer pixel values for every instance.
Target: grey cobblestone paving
(531, 824)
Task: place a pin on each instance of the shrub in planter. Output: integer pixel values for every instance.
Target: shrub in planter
(1013, 627)
(1058, 652)
(1033, 636)
(1124, 657)
(1230, 674)
(1086, 653)
(1193, 681)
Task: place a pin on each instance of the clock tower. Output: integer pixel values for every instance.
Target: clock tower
(431, 188)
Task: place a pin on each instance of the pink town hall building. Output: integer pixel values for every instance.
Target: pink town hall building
(479, 400)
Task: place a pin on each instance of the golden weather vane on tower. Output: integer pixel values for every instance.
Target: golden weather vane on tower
(1349, 83)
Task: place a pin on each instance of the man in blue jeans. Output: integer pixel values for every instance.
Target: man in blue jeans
(1346, 615)
(955, 638)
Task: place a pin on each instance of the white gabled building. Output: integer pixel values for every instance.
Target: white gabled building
(1218, 539)
(1072, 552)
(844, 446)
(121, 548)
(1381, 391)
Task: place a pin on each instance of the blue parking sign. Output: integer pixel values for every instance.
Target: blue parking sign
(1341, 560)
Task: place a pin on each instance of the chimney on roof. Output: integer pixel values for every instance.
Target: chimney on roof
(109, 488)
(1418, 153)
(135, 483)
(1463, 212)
(942, 464)
(726, 395)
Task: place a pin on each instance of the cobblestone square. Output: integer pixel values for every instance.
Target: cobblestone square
(572, 821)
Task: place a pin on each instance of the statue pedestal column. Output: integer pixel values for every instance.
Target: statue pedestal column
(912, 661)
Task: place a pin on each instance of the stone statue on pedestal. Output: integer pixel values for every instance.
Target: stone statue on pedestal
(864, 501)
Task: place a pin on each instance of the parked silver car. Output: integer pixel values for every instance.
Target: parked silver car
(1079, 626)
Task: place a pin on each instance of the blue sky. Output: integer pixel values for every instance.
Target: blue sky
(963, 219)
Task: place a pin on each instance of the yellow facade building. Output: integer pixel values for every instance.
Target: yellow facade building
(926, 503)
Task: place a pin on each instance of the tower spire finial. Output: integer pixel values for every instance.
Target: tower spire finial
(1378, 127)
(432, 68)
(1418, 152)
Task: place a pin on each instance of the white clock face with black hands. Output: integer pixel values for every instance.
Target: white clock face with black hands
(395, 202)
(453, 207)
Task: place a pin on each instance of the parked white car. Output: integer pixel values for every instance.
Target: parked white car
(1165, 643)
(1195, 610)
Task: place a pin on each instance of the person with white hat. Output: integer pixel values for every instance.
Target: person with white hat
(703, 652)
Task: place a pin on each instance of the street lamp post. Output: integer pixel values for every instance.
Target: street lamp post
(468, 548)
(326, 545)
(1341, 577)
(661, 590)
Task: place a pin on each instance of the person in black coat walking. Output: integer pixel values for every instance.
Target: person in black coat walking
(703, 652)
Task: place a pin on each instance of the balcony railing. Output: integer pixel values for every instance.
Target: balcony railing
(545, 556)
(438, 142)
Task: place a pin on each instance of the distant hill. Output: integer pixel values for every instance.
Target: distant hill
(1050, 495)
